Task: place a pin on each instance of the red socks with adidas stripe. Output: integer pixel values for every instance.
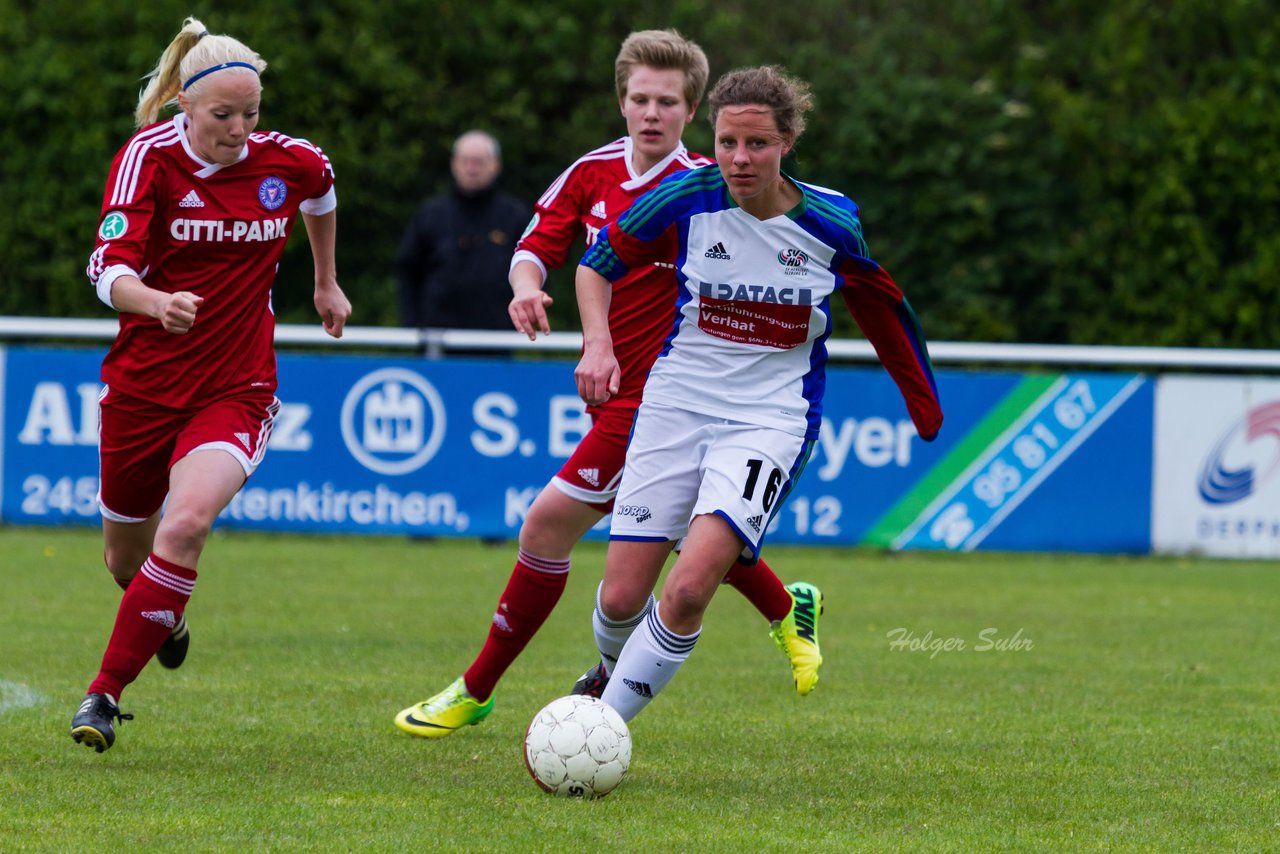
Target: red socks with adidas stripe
(762, 588)
(532, 593)
(152, 605)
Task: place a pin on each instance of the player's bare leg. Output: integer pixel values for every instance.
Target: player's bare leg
(201, 484)
(662, 643)
(126, 545)
(631, 571)
(555, 523)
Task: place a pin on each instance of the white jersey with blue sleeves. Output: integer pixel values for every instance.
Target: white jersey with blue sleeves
(749, 338)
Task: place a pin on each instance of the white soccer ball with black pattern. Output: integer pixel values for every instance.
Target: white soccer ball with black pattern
(577, 747)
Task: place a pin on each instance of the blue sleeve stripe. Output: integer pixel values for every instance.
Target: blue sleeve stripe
(601, 258)
(650, 203)
(842, 219)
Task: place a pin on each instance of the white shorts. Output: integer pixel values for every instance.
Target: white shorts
(683, 464)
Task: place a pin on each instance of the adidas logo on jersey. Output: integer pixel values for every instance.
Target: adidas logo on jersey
(755, 522)
(719, 253)
(164, 618)
(244, 440)
(191, 200)
(591, 476)
(597, 210)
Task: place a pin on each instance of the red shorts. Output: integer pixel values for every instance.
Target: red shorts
(138, 443)
(592, 472)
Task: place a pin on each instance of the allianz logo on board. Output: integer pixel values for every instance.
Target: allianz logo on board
(393, 421)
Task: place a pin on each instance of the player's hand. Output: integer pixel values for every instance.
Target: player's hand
(528, 311)
(334, 308)
(178, 312)
(597, 375)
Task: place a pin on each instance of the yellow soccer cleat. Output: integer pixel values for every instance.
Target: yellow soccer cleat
(451, 709)
(797, 635)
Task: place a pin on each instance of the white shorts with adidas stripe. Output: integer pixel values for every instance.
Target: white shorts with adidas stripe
(683, 464)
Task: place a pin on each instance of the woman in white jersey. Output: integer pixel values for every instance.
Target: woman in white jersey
(196, 214)
(660, 78)
(732, 406)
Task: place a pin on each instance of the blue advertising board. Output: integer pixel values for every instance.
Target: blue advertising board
(461, 447)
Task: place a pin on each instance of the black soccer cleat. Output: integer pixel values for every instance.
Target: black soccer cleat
(92, 725)
(173, 651)
(592, 683)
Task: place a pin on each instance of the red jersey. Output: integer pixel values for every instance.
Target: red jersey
(590, 194)
(180, 223)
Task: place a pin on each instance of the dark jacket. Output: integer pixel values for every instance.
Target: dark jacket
(452, 267)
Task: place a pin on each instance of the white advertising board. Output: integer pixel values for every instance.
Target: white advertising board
(1216, 485)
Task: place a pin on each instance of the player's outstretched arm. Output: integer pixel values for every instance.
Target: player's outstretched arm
(331, 303)
(528, 308)
(598, 375)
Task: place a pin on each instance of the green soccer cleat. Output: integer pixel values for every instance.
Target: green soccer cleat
(797, 635)
(451, 709)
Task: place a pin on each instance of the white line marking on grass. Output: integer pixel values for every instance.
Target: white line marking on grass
(16, 696)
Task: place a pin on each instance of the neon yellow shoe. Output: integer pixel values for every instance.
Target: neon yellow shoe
(451, 709)
(797, 635)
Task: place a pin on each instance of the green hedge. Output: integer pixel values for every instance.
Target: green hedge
(1081, 172)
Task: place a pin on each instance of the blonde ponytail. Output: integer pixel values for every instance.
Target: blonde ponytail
(165, 80)
(192, 51)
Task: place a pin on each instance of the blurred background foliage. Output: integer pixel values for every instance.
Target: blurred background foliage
(1029, 170)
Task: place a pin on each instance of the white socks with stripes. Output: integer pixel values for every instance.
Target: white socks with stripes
(610, 635)
(648, 661)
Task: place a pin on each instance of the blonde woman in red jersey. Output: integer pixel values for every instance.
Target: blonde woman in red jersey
(660, 78)
(195, 218)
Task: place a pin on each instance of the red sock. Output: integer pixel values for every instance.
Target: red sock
(533, 591)
(151, 607)
(761, 587)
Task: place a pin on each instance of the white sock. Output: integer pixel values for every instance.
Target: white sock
(647, 663)
(612, 636)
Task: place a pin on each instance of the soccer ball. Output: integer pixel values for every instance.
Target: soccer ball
(577, 747)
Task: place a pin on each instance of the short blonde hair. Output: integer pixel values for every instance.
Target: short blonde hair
(769, 86)
(663, 50)
(192, 51)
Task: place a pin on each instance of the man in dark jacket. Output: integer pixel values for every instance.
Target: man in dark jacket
(453, 262)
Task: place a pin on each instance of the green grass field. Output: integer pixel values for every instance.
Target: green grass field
(1136, 707)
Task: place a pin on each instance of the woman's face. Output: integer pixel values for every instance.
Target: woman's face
(222, 115)
(656, 112)
(749, 151)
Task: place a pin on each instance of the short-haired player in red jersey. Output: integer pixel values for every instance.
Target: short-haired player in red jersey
(195, 218)
(660, 78)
